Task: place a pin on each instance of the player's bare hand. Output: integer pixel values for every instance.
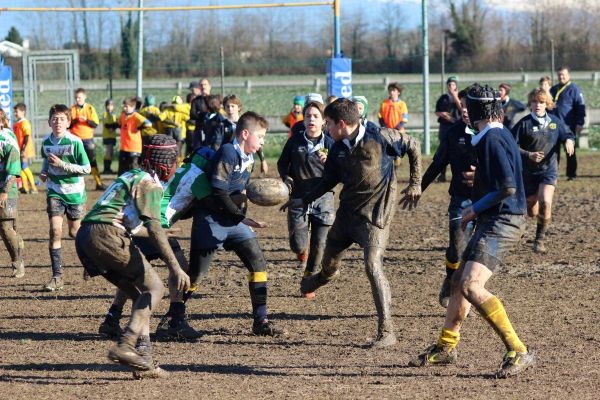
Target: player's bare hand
(254, 224)
(43, 176)
(322, 157)
(179, 279)
(412, 194)
(54, 160)
(536, 156)
(570, 147)
(469, 176)
(3, 198)
(289, 182)
(292, 203)
(264, 167)
(468, 215)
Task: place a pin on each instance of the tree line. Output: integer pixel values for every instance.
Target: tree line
(475, 40)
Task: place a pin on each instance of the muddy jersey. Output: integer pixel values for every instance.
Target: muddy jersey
(189, 183)
(366, 170)
(10, 160)
(68, 186)
(546, 134)
(129, 201)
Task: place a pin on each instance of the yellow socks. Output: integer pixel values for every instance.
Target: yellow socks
(448, 339)
(24, 180)
(494, 313)
(29, 179)
(96, 176)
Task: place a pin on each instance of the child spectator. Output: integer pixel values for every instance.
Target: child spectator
(109, 134)
(130, 123)
(22, 130)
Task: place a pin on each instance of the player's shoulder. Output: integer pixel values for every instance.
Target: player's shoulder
(227, 153)
(73, 138)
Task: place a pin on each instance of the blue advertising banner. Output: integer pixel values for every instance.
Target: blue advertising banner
(6, 94)
(339, 77)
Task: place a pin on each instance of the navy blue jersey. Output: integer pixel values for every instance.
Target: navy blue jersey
(230, 169)
(499, 167)
(455, 149)
(366, 170)
(570, 105)
(300, 161)
(510, 109)
(532, 136)
(446, 104)
(217, 131)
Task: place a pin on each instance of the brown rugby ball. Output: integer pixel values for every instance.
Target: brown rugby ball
(267, 192)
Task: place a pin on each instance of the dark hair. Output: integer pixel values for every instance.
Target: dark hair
(131, 101)
(506, 86)
(59, 109)
(314, 104)
(80, 90)
(213, 103)
(545, 78)
(463, 93)
(250, 121)
(330, 99)
(564, 68)
(343, 110)
(395, 85)
(4, 118)
(190, 96)
(20, 107)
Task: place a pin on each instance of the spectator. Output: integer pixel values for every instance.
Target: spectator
(295, 115)
(570, 108)
(510, 107)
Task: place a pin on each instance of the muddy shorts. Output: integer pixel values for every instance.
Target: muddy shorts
(106, 249)
(532, 182)
(494, 237)
(56, 207)
(10, 210)
(458, 238)
(149, 250)
(356, 229)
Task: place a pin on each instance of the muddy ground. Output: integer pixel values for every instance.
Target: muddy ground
(49, 347)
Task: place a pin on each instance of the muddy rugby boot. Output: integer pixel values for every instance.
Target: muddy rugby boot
(434, 355)
(55, 283)
(144, 348)
(514, 363)
(310, 284)
(267, 328)
(18, 268)
(539, 247)
(445, 290)
(124, 353)
(383, 340)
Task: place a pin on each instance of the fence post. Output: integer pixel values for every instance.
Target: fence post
(317, 84)
(524, 79)
(595, 78)
(179, 87)
(248, 85)
(386, 82)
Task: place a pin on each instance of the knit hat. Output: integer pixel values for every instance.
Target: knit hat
(452, 78)
(299, 100)
(362, 100)
(314, 97)
(150, 100)
(177, 100)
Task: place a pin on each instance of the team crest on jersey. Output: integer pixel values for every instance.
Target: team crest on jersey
(552, 125)
(462, 141)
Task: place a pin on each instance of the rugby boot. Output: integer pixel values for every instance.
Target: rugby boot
(124, 353)
(267, 328)
(180, 330)
(445, 290)
(312, 283)
(56, 283)
(539, 246)
(110, 327)
(435, 355)
(514, 363)
(144, 347)
(383, 340)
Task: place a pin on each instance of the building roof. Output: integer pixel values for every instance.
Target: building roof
(10, 49)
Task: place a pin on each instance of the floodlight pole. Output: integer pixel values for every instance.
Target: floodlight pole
(425, 38)
(337, 43)
(140, 50)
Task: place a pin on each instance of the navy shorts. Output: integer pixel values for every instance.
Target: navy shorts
(494, 237)
(112, 141)
(57, 207)
(532, 182)
(457, 237)
(210, 233)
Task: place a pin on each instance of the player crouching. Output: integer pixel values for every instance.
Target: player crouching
(105, 247)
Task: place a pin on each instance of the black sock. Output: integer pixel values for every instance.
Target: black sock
(176, 312)
(56, 262)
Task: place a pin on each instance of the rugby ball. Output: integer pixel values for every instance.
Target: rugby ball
(267, 192)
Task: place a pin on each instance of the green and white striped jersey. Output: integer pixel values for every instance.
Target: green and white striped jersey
(188, 183)
(131, 199)
(10, 160)
(66, 182)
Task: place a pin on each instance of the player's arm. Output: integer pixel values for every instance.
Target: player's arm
(403, 117)
(283, 165)
(328, 180)
(92, 120)
(439, 162)
(148, 199)
(567, 137)
(579, 106)
(81, 166)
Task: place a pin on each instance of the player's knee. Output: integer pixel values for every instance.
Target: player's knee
(55, 233)
(545, 207)
(468, 288)
(73, 231)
